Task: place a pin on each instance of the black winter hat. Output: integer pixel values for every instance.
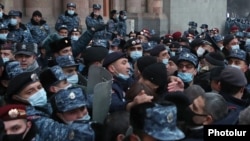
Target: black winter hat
(145, 61)
(37, 13)
(19, 82)
(215, 58)
(60, 44)
(156, 73)
(233, 76)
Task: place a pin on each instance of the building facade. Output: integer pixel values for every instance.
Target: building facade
(164, 16)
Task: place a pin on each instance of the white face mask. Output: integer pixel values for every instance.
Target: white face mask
(200, 51)
(235, 47)
(75, 38)
(6, 59)
(3, 36)
(238, 67)
(71, 12)
(13, 22)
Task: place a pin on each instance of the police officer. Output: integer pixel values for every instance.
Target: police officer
(4, 18)
(69, 18)
(21, 32)
(112, 24)
(192, 29)
(122, 26)
(95, 20)
(38, 27)
(3, 33)
(26, 54)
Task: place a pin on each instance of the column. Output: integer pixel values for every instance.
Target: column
(12, 5)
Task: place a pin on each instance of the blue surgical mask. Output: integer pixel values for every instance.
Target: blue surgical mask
(238, 67)
(39, 98)
(75, 38)
(172, 53)
(135, 54)
(73, 79)
(123, 76)
(1, 14)
(3, 36)
(165, 61)
(124, 17)
(185, 77)
(85, 117)
(71, 12)
(235, 47)
(6, 59)
(13, 22)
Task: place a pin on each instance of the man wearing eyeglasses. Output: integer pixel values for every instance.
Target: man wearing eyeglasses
(187, 64)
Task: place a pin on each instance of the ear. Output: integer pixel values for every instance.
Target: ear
(29, 124)
(209, 120)
(134, 137)
(111, 68)
(120, 137)
(195, 72)
(53, 89)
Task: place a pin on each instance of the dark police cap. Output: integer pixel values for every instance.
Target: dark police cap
(233, 76)
(238, 54)
(51, 76)
(26, 48)
(63, 26)
(149, 46)
(218, 38)
(71, 4)
(15, 13)
(112, 57)
(11, 36)
(123, 12)
(66, 61)
(19, 82)
(158, 120)
(12, 69)
(215, 58)
(100, 43)
(132, 42)
(60, 44)
(97, 6)
(67, 100)
(145, 61)
(157, 50)
(93, 54)
(190, 57)
(204, 26)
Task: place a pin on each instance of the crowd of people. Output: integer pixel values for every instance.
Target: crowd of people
(105, 84)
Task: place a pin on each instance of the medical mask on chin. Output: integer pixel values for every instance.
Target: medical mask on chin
(200, 51)
(165, 61)
(73, 79)
(39, 98)
(135, 54)
(238, 67)
(13, 22)
(234, 47)
(123, 76)
(3, 36)
(75, 38)
(110, 51)
(6, 59)
(185, 76)
(71, 12)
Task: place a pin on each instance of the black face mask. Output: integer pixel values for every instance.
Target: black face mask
(188, 118)
(13, 137)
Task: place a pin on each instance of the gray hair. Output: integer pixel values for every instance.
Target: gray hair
(215, 105)
(244, 116)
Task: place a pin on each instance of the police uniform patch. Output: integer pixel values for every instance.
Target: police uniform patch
(71, 135)
(24, 47)
(34, 77)
(13, 113)
(170, 117)
(72, 95)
